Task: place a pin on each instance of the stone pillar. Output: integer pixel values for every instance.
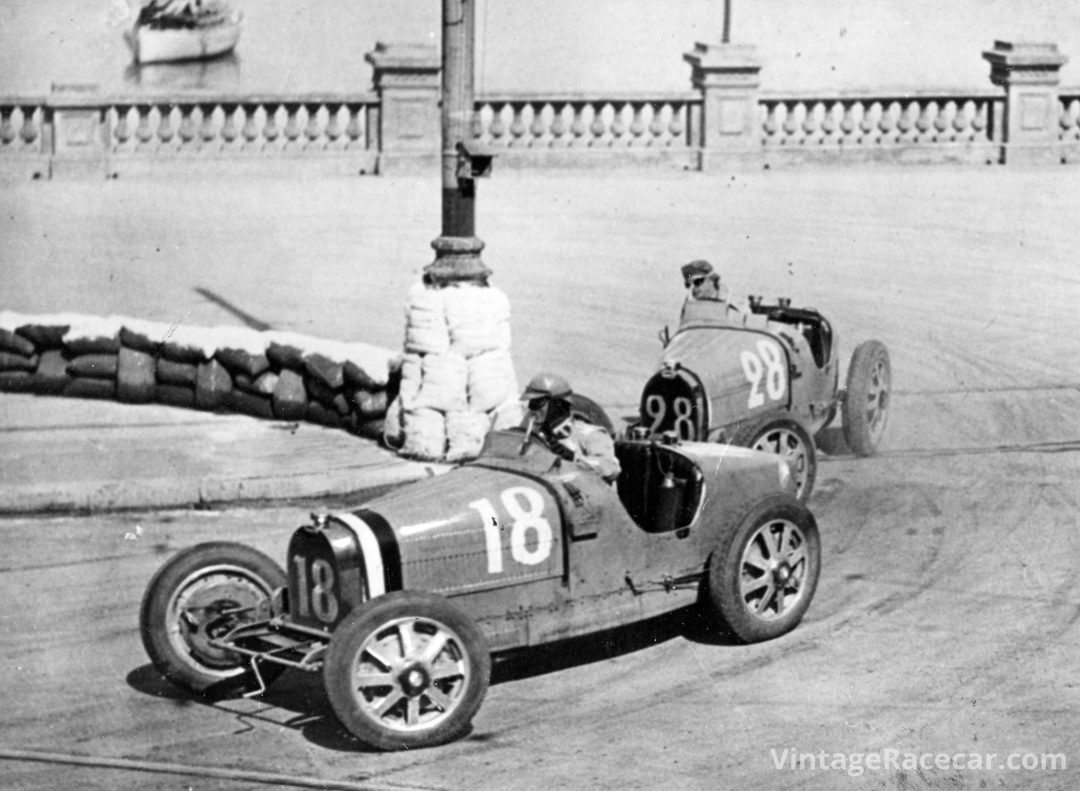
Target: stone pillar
(79, 133)
(728, 77)
(1029, 74)
(407, 81)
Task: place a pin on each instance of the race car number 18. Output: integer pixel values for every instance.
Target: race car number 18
(765, 372)
(531, 536)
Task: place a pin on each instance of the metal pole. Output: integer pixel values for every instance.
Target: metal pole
(726, 36)
(459, 210)
(457, 251)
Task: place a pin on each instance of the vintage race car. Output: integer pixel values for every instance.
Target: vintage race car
(767, 379)
(401, 603)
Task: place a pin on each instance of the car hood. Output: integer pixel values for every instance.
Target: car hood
(469, 529)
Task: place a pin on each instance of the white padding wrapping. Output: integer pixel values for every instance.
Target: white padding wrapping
(508, 414)
(491, 380)
(425, 434)
(411, 378)
(479, 337)
(427, 340)
(478, 318)
(467, 303)
(465, 432)
(445, 382)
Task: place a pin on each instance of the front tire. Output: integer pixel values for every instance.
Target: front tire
(866, 401)
(784, 437)
(407, 670)
(204, 592)
(762, 576)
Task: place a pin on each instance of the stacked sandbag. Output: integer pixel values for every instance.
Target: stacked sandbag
(457, 376)
(279, 375)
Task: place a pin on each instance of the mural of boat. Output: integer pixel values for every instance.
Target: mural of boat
(179, 30)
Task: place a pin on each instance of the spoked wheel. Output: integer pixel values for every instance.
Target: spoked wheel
(763, 575)
(201, 594)
(866, 401)
(407, 670)
(787, 438)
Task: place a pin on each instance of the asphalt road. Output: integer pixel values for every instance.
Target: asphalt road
(946, 619)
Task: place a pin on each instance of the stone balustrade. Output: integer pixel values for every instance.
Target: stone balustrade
(725, 120)
(582, 129)
(931, 127)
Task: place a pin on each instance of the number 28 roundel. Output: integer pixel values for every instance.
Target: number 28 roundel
(675, 401)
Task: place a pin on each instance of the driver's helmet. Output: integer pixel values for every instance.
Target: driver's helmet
(547, 397)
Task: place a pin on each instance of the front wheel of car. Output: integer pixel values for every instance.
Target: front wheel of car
(866, 400)
(203, 593)
(407, 670)
(785, 437)
(762, 576)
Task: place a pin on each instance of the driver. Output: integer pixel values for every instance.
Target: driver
(706, 298)
(547, 398)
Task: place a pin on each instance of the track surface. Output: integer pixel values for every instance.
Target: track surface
(947, 615)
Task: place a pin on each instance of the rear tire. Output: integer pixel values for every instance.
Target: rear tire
(407, 670)
(204, 592)
(762, 576)
(785, 437)
(866, 401)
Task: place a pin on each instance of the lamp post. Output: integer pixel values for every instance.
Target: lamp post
(457, 375)
(457, 250)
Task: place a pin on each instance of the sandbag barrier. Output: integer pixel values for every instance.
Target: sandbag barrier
(271, 374)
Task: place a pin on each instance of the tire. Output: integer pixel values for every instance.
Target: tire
(762, 576)
(584, 408)
(785, 437)
(188, 601)
(386, 691)
(867, 397)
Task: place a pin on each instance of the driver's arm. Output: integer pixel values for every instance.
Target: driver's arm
(598, 452)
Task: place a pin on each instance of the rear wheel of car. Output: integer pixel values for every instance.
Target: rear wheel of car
(407, 670)
(785, 437)
(203, 593)
(762, 576)
(866, 400)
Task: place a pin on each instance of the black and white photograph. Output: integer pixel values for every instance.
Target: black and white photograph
(437, 395)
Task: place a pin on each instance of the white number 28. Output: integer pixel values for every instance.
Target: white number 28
(765, 371)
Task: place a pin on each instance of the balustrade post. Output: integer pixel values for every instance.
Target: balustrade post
(1029, 74)
(407, 80)
(728, 77)
(80, 133)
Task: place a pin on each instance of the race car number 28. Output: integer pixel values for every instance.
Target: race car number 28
(764, 369)
(530, 533)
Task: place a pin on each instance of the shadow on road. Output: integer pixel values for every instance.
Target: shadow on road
(297, 700)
